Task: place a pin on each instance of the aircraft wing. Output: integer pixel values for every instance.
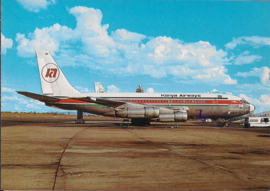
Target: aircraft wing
(102, 101)
(38, 97)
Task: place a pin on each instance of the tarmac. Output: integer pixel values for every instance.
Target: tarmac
(52, 153)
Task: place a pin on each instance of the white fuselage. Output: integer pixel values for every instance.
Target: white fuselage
(198, 105)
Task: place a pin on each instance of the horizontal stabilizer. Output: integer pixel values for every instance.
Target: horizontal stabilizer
(102, 101)
(38, 97)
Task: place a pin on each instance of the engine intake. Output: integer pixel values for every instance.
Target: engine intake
(146, 112)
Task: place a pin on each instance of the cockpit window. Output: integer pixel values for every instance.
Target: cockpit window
(244, 101)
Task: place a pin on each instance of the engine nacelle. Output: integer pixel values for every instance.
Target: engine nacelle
(177, 116)
(146, 112)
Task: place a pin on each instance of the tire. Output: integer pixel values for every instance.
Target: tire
(226, 124)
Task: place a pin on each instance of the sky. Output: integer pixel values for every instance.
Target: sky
(165, 46)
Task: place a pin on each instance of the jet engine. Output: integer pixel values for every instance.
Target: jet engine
(146, 112)
(171, 117)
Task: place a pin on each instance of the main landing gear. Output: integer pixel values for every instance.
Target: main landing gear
(79, 119)
(223, 123)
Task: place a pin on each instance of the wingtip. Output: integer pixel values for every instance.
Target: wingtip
(20, 92)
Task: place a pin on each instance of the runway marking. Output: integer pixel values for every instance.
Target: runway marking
(201, 161)
(63, 154)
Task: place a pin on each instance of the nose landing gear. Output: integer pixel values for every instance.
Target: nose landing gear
(223, 123)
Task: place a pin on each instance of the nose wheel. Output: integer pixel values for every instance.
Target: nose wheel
(226, 124)
(223, 123)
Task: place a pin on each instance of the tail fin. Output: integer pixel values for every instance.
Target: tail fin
(99, 88)
(53, 81)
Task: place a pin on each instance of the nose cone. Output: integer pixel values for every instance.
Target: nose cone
(251, 108)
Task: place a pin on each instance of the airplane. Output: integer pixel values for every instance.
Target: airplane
(141, 108)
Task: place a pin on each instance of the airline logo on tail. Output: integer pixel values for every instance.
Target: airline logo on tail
(50, 72)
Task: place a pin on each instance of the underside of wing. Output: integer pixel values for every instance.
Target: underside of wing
(38, 97)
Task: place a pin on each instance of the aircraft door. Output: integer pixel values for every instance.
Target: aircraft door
(216, 109)
(215, 103)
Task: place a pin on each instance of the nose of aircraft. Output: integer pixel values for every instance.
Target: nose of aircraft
(251, 108)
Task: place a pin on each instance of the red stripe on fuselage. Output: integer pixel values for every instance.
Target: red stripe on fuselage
(163, 101)
(70, 101)
(158, 101)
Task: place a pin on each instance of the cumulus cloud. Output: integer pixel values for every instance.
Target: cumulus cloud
(217, 73)
(20, 102)
(249, 88)
(263, 73)
(13, 98)
(261, 104)
(253, 41)
(17, 108)
(150, 90)
(4, 89)
(265, 99)
(35, 5)
(47, 38)
(214, 90)
(6, 43)
(113, 89)
(31, 106)
(127, 53)
(122, 35)
(245, 58)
